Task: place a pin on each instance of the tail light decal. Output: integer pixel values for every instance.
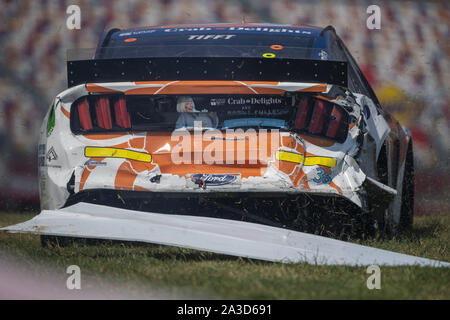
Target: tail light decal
(318, 117)
(100, 113)
(334, 124)
(121, 113)
(321, 118)
(103, 112)
(302, 113)
(84, 114)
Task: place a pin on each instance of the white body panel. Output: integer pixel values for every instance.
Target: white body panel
(210, 234)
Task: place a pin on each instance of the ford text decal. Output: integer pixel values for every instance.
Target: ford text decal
(213, 179)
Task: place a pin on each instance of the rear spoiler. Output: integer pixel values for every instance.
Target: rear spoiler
(210, 68)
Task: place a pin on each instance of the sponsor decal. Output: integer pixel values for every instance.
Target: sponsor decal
(135, 33)
(51, 155)
(206, 179)
(241, 29)
(211, 36)
(269, 29)
(253, 101)
(188, 29)
(217, 101)
(94, 163)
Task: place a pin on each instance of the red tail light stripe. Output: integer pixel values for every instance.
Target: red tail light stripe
(302, 114)
(103, 112)
(335, 122)
(318, 118)
(84, 114)
(122, 116)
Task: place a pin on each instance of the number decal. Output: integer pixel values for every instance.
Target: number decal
(323, 177)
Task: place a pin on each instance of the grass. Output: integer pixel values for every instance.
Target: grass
(208, 275)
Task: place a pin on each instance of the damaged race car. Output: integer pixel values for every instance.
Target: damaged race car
(271, 124)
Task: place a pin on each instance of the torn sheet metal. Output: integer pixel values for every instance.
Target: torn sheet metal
(221, 236)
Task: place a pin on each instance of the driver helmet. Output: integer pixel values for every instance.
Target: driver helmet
(185, 101)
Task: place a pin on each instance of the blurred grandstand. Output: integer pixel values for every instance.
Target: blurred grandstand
(407, 62)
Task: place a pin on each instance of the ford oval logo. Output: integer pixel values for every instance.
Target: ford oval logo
(214, 179)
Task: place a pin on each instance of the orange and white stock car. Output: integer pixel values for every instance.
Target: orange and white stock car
(265, 123)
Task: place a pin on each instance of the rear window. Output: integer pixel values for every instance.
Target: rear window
(98, 113)
(305, 114)
(280, 42)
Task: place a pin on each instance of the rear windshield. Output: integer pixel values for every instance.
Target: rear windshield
(221, 112)
(166, 113)
(280, 42)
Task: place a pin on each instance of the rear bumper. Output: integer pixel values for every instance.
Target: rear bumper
(301, 211)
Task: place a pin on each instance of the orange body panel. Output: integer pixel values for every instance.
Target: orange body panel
(220, 155)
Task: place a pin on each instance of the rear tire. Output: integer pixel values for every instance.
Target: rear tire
(381, 215)
(407, 208)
